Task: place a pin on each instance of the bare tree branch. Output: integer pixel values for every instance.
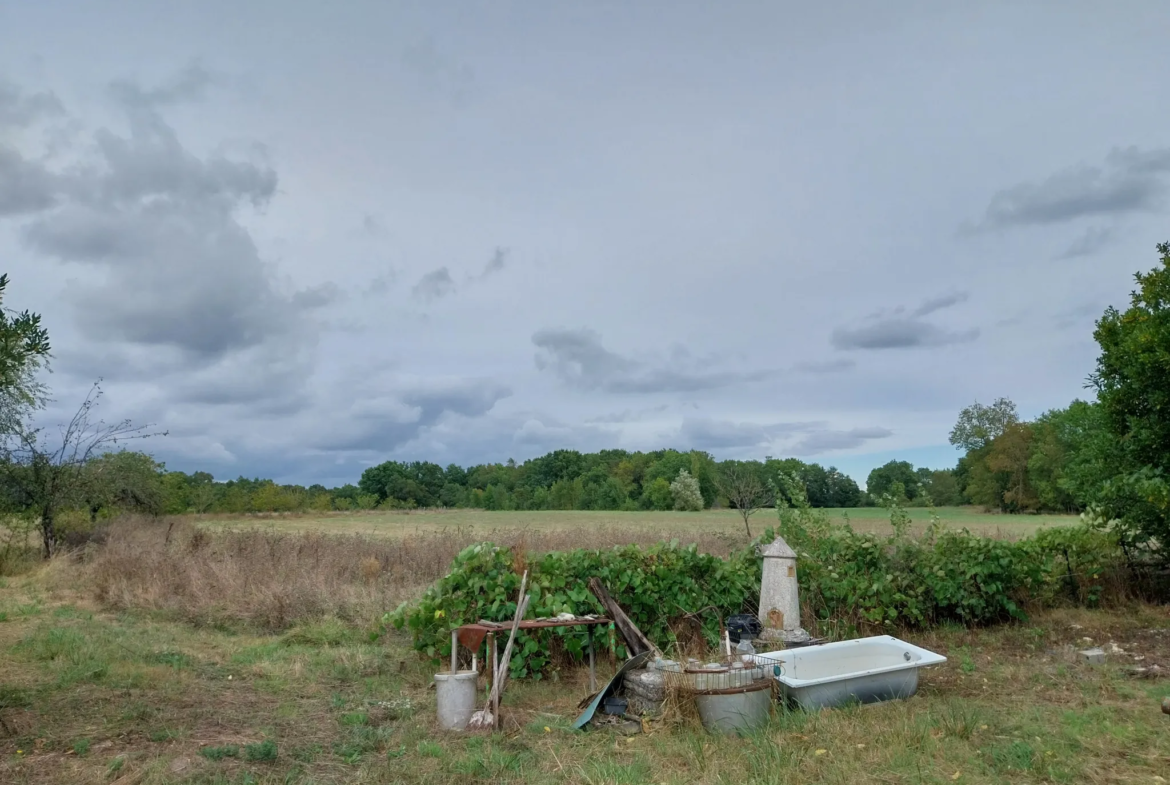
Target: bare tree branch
(50, 474)
(743, 489)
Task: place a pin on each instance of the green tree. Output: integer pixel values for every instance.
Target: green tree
(686, 493)
(978, 424)
(740, 483)
(1132, 379)
(124, 481)
(24, 350)
(943, 488)
(882, 480)
(1008, 457)
(657, 495)
(49, 474)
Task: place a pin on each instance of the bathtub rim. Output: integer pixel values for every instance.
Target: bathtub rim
(925, 658)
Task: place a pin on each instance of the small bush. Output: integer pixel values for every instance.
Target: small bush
(221, 752)
(263, 752)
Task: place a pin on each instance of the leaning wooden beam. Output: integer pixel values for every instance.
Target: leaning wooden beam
(636, 642)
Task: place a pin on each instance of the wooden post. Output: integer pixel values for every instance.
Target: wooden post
(495, 703)
(636, 642)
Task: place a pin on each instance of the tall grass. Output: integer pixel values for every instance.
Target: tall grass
(273, 579)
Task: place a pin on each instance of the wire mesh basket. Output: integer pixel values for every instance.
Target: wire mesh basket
(722, 674)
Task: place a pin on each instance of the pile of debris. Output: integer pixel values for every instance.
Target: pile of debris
(733, 691)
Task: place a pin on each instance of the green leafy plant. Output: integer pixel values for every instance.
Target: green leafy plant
(848, 579)
(220, 752)
(262, 752)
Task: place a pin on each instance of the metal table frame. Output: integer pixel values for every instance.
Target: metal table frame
(490, 631)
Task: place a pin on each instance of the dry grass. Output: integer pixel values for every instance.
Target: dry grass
(272, 579)
(94, 689)
(657, 525)
(129, 698)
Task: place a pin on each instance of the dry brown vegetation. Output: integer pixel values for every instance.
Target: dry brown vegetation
(93, 689)
(272, 579)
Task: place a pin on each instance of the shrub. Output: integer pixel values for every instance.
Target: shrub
(686, 492)
(867, 580)
(263, 752)
(656, 585)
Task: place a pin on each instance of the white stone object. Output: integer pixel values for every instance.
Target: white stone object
(780, 596)
(1093, 656)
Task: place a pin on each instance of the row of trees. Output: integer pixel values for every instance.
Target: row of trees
(606, 480)
(1108, 457)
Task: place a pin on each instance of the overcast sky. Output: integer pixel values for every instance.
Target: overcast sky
(305, 237)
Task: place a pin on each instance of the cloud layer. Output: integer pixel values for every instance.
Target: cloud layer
(403, 240)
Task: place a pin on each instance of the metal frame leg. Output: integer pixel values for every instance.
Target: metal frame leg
(592, 671)
(454, 651)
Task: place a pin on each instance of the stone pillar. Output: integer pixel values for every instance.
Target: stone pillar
(779, 596)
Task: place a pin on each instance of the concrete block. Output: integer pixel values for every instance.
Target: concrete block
(1093, 656)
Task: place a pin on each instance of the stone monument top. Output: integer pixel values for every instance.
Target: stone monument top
(780, 595)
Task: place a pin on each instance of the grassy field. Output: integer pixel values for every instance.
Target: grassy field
(189, 654)
(728, 522)
(90, 696)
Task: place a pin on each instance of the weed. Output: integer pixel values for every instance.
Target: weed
(175, 659)
(429, 749)
(81, 747)
(14, 697)
(1016, 756)
(960, 719)
(116, 764)
(263, 752)
(355, 718)
(221, 752)
(306, 753)
(164, 734)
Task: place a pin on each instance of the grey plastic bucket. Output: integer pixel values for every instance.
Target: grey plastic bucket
(455, 695)
(735, 710)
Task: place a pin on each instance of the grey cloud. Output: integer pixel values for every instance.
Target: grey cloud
(898, 331)
(1093, 240)
(19, 109)
(189, 84)
(318, 296)
(825, 440)
(628, 415)
(25, 186)
(389, 421)
(439, 73)
(939, 303)
(1079, 316)
(1130, 180)
(380, 284)
(706, 434)
(185, 291)
(828, 366)
(434, 285)
(496, 263)
(580, 360)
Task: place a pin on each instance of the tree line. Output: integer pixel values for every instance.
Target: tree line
(1107, 458)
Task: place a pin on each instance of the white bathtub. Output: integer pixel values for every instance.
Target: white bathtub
(865, 670)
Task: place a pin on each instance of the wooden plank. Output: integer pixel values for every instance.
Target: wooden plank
(636, 642)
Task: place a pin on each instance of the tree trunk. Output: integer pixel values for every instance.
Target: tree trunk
(746, 525)
(48, 532)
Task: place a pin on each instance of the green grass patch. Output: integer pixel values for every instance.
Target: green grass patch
(220, 752)
(261, 752)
